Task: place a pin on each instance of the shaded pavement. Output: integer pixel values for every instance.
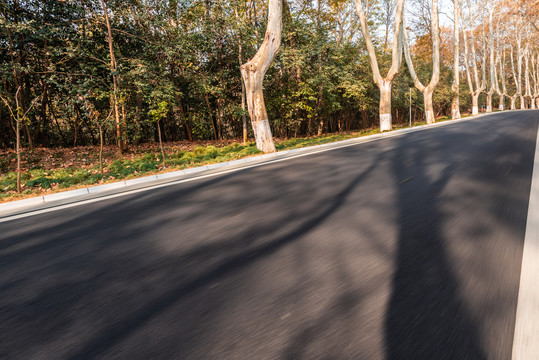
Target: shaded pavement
(403, 248)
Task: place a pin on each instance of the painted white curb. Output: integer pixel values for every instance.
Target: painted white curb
(106, 187)
(65, 195)
(13, 205)
(169, 175)
(140, 180)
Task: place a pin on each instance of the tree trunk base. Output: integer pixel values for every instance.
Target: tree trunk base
(489, 103)
(264, 139)
(429, 114)
(475, 110)
(385, 122)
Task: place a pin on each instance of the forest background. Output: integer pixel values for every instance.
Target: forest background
(170, 70)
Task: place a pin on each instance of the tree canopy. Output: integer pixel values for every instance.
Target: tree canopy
(181, 60)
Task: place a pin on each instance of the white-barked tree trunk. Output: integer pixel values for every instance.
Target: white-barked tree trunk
(383, 83)
(253, 72)
(455, 102)
(429, 89)
(474, 86)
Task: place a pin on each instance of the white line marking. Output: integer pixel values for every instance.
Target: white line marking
(325, 147)
(526, 340)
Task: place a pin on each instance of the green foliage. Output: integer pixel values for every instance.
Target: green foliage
(158, 112)
(178, 63)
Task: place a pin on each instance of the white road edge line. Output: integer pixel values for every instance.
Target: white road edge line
(360, 141)
(526, 337)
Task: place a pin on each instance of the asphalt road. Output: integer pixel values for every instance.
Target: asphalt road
(404, 248)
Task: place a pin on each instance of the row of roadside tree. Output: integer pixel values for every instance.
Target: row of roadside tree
(81, 72)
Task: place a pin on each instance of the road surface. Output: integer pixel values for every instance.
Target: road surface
(409, 247)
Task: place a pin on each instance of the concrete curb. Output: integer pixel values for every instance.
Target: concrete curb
(22, 203)
(141, 180)
(176, 175)
(105, 187)
(64, 195)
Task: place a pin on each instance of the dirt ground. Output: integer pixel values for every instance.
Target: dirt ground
(87, 156)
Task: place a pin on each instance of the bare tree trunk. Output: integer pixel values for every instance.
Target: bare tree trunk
(253, 72)
(161, 144)
(17, 117)
(503, 92)
(100, 126)
(28, 136)
(527, 74)
(489, 101)
(214, 129)
(18, 137)
(385, 105)
(492, 69)
(455, 103)
(429, 89)
(319, 100)
(475, 103)
(185, 120)
(475, 87)
(113, 70)
(429, 110)
(519, 62)
(219, 119)
(384, 84)
(515, 78)
(536, 82)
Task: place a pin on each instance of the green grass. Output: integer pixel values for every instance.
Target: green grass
(35, 180)
(318, 140)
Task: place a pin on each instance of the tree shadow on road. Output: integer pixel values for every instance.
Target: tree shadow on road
(426, 319)
(113, 248)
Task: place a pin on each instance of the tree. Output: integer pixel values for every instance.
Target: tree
(475, 87)
(158, 113)
(428, 90)
(500, 62)
(253, 72)
(19, 116)
(528, 93)
(492, 67)
(533, 85)
(95, 116)
(535, 66)
(517, 75)
(384, 83)
(114, 73)
(455, 102)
